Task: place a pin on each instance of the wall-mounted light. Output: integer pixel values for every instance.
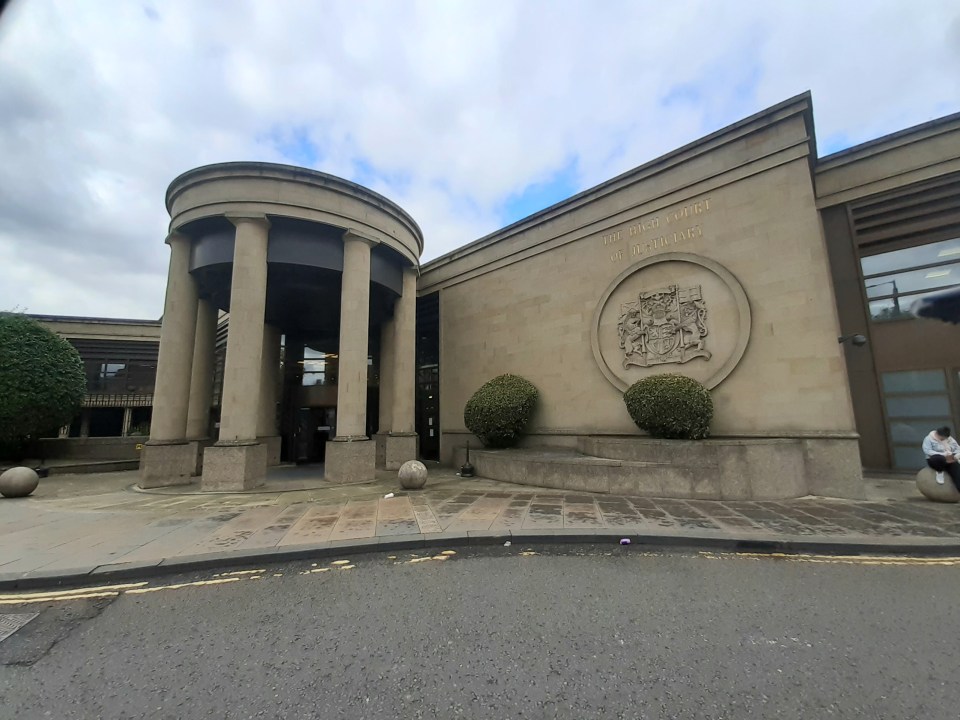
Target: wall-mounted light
(857, 340)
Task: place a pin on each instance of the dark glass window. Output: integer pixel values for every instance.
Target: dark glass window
(895, 280)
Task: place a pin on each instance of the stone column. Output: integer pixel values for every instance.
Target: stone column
(351, 456)
(402, 442)
(167, 458)
(237, 461)
(127, 420)
(85, 423)
(201, 380)
(386, 390)
(269, 392)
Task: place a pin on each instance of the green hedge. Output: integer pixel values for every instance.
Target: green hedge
(500, 410)
(41, 379)
(670, 406)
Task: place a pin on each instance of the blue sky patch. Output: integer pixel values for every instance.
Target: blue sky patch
(539, 195)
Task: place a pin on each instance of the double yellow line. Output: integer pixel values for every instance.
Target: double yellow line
(837, 559)
(110, 591)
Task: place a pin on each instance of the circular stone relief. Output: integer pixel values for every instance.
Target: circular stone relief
(673, 313)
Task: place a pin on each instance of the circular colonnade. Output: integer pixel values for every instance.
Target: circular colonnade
(291, 254)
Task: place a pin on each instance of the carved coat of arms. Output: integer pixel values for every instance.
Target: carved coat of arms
(664, 326)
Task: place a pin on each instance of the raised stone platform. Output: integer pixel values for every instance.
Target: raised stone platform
(718, 469)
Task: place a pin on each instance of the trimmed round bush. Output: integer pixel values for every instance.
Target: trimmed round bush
(670, 406)
(41, 379)
(500, 410)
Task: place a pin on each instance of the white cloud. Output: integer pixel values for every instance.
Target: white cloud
(450, 109)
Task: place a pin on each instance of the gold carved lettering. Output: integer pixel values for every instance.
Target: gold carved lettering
(697, 208)
(644, 226)
(688, 234)
(653, 223)
(611, 238)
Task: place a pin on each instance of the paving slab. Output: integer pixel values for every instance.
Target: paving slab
(102, 525)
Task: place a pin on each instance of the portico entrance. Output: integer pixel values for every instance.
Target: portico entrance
(319, 264)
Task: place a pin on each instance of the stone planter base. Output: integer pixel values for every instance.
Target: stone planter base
(716, 469)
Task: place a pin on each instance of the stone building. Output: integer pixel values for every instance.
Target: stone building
(740, 260)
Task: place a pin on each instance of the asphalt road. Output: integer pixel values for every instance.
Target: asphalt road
(568, 632)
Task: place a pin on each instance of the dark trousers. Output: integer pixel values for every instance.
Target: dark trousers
(940, 464)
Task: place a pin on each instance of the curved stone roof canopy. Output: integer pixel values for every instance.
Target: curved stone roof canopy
(259, 188)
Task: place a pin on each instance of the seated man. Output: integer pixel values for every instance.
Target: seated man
(942, 451)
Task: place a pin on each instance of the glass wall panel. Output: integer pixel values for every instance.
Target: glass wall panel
(904, 431)
(918, 406)
(914, 281)
(914, 381)
(908, 457)
(894, 281)
(939, 252)
(917, 401)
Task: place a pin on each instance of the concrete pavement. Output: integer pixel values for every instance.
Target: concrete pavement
(85, 528)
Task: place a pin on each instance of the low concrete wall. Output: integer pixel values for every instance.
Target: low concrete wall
(100, 448)
(720, 469)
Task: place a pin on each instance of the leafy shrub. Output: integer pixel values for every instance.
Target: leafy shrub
(670, 406)
(41, 379)
(498, 412)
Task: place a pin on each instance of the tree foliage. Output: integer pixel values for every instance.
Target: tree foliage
(41, 379)
(670, 406)
(500, 410)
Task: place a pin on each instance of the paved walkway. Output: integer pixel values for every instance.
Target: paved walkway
(83, 528)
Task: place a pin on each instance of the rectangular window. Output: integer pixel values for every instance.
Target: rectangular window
(930, 254)
(933, 278)
(319, 368)
(895, 280)
(917, 401)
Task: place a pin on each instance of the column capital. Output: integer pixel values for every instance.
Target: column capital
(240, 218)
(351, 234)
(175, 236)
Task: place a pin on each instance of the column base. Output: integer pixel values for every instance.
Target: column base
(380, 439)
(202, 445)
(350, 461)
(400, 447)
(234, 467)
(166, 464)
(272, 443)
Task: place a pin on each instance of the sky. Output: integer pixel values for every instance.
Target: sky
(470, 115)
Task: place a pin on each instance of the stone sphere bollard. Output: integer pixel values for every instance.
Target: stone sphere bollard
(18, 482)
(930, 489)
(413, 475)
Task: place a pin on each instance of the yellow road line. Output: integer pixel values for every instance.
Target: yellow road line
(198, 583)
(60, 593)
(836, 559)
(80, 596)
